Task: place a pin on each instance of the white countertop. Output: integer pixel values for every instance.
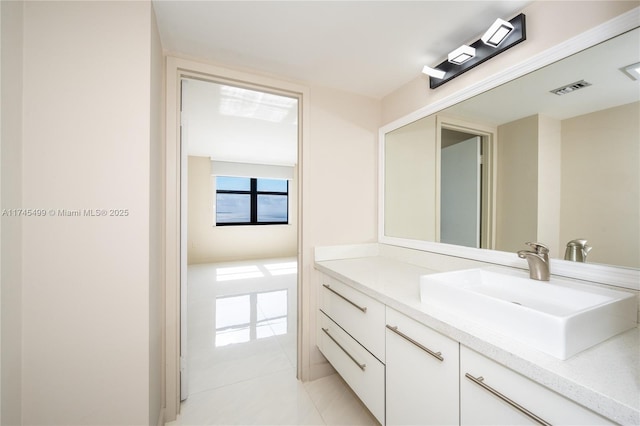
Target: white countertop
(604, 378)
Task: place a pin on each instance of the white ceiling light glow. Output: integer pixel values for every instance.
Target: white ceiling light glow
(461, 55)
(497, 33)
(240, 102)
(633, 71)
(435, 73)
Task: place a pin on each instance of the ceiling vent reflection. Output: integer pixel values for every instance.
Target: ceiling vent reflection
(569, 88)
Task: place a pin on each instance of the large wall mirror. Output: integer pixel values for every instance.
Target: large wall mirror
(520, 163)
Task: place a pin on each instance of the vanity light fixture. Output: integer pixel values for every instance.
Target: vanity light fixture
(461, 55)
(501, 36)
(432, 72)
(497, 33)
(633, 71)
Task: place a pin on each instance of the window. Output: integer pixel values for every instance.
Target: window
(251, 201)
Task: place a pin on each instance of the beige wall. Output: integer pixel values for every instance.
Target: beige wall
(549, 184)
(207, 243)
(90, 341)
(528, 184)
(597, 149)
(547, 25)
(339, 190)
(517, 184)
(156, 226)
(410, 181)
(11, 197)
(554, 184)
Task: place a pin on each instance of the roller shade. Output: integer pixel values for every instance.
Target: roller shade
(265, 171)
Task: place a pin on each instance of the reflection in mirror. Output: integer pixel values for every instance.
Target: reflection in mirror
(460, 188)
(566, 167)
(410, 181)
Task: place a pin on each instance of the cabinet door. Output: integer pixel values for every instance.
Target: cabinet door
(422, 376)
(492, 394)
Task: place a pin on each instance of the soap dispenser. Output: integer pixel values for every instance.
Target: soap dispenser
(577, 250)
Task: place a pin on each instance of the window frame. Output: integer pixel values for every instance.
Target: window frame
(253, 193)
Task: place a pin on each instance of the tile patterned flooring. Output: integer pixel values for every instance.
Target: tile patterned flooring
(242, 352)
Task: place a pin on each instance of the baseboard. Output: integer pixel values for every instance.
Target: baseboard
(320, 370)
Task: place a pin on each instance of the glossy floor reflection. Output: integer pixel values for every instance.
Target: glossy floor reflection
(242, 319)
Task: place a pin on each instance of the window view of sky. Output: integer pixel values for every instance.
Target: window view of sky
(236, 207)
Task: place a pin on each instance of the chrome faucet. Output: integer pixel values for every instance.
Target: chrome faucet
(577, 250)
(538, 261)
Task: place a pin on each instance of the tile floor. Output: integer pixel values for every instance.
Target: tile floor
(242, 352)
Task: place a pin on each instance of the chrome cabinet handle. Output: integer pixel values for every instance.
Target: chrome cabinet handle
(437, 355)
(480, 382)
(362, 366)
(344, 298)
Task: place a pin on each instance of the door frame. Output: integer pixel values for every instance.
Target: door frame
(177, 68)
(488, 135)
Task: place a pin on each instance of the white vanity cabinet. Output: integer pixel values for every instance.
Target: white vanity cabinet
(351, 337)
(493, 394)
(422, 374)
(407, 373)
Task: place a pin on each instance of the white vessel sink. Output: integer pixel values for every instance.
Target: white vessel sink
(559, 317)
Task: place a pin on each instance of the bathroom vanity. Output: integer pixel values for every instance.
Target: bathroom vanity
(481, 346)
(412, 362)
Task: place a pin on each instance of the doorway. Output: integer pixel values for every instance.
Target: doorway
(239, 154)
(461, 189)
(466, 189)
(176, 70)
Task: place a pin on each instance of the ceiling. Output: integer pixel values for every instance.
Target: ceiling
(365, 47)
(239, 125)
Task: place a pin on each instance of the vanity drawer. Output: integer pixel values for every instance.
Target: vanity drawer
(358, 314)
(493, 394)
(361, 370)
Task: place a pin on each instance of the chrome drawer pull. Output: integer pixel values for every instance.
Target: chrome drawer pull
(437, 355)
(362, 366)
(342, 297)
(480, 382)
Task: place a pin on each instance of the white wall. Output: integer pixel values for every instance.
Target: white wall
(547, 25)
(208, 243)
(90, 141)
(11, 191)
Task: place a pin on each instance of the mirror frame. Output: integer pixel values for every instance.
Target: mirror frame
(599, 273)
